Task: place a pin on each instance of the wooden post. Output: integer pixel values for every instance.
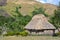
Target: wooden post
(30, 32)
(53, 32)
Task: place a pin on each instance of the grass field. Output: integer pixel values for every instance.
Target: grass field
(30, 38)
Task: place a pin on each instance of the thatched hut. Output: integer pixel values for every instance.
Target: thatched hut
(3, 2)
(39, 23)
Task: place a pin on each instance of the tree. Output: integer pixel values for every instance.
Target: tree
(56, 19)
(39, 11)
(16, 24)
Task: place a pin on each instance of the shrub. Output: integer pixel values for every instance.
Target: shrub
(9, 34)
(18, 33)
(24, 33)
(39, 11)
(58, 34)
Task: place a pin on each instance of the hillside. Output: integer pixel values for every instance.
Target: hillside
(16, 14)
(28, 6)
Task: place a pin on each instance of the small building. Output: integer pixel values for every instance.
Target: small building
(39, 23)
(3, 2)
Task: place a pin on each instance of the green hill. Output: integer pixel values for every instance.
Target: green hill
(27, 6)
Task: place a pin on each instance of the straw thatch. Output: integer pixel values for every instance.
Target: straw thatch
(39, 22)
(3, 2)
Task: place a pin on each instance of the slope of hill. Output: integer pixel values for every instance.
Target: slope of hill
(28, 6)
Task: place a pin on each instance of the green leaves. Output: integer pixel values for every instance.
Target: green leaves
(15, 24)
(39, 11)
(19, 21)
(56, 19)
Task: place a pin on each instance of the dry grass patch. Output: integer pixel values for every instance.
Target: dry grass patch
(30, 38)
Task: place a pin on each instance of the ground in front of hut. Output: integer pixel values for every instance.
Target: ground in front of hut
(29, 38)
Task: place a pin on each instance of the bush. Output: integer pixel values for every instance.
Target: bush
(39, 11)
(24, 33)
(9, 34)
(58, 34)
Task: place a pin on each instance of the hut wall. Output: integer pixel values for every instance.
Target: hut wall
(45, 32)
(49, 32)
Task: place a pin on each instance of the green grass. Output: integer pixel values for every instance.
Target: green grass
(30, 38)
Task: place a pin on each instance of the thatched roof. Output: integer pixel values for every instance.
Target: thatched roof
(39, 22)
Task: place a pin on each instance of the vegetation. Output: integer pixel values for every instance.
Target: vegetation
(16, 22)
(55, 20)
(58, 34)
(23, 33)
(39, 11)
(15, 25)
